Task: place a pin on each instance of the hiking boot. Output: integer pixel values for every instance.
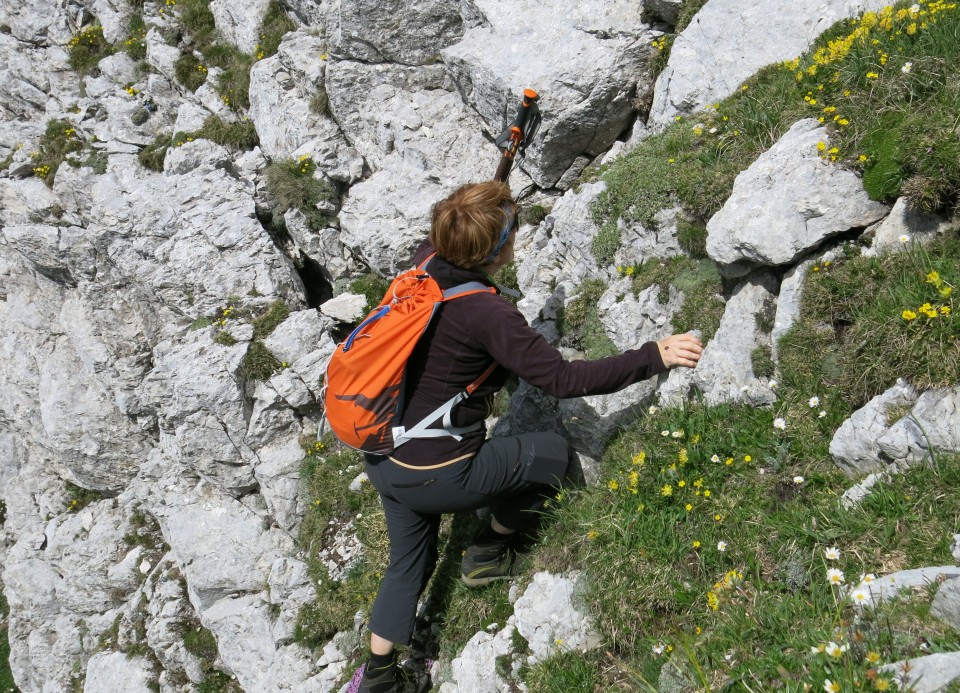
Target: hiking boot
(487, 560)
(393, 679)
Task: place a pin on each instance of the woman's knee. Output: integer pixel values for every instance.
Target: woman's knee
(546, 457)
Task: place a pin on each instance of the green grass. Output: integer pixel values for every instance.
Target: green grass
(238, 135)
(291, 185)
(580, 325)
(275, 24)
(372, 286)
(135, 45)
(6, 675)
(190, 71)
(853, 335)
(267, 322)
(259, 363)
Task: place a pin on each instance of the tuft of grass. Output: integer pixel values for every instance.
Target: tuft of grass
(197, 20)
(580, 324)
(7, 682)
(292, 185)
(371, 285)
(87, 48)
(687, 13)
(320, 102)
(190, 71)
(276, 23)
(81, 497)
(761, 360)
(865, 321)
(276, 313)
(238, 135)
(692, 239)
(259, 363)
(606, 244)
(571, 672)
(135, 45)
(233, 83)
(58, 141)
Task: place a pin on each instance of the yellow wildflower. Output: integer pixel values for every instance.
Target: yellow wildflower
(908, 315)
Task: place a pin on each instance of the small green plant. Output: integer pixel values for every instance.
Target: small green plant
(58, 141)
(533, 214)
(276, 23)
(371, 285)
(233, 83)
(135, 45)
(81, 497)
(259, 363)
(687, 12)
(189, 71)
(292, 185)
(276, 313)
(606, 244)
(87, 48)
(761, 359)
(580, 323)
(7, 682)
(692, 239)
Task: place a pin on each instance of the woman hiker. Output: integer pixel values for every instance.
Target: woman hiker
(472, 235)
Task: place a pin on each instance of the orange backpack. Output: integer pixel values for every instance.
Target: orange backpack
(366, 374)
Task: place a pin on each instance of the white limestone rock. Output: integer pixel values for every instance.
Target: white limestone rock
(586, 60)
(551, 620)
(891, 586)
(345, 308)
(946, 603)
(115, 672)
(904, 222)
(240, 22)
(369, 31)
(475, 668)
(281, 89)
(787, 203)
(855, 446)
(929, 674)
(727, 42)
(788, 304)
(725, 370)
(629, 321)
(933, 425)
(223, 548)
(419, 127)
(198, 155)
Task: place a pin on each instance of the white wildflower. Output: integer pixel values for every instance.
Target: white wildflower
(813, 402)
(906, 68)
(780, 424)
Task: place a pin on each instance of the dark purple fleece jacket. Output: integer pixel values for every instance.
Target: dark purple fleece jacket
(469, 333)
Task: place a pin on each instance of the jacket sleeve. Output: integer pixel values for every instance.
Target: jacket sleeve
(511, 342)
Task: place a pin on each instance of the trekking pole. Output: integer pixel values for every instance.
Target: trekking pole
(518, 134)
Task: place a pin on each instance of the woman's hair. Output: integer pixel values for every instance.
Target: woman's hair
(466, 226)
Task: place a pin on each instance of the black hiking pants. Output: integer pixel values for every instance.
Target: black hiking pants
(513, 476)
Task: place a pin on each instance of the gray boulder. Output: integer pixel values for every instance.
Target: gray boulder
(725, 370)
(551, 619)
(786, 204)
(419, 128)
(929, 674)
(397, 31)
(932, 426)
(240, 22)
(585, 61)
(855, 446)
(946, 603)
(475, 668)
(891, 586)
(904, 226)
(727, 42)
(281, 89)
(115, 672)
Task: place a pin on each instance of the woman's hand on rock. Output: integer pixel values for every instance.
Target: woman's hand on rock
(680, 350)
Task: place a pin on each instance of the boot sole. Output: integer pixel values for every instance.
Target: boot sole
(481, 581)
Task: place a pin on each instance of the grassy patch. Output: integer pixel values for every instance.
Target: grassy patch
(81, 497)
(238, 135)
(6, 675)
(570, 672)
(606, 244)
(326, 474)
(264, 324)
(135, 45)
(718, 530)
(259, 363)
(580, 325)
(292, 185)
(190, 71)
(866, 321)
(87, 48)
(687, 13)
